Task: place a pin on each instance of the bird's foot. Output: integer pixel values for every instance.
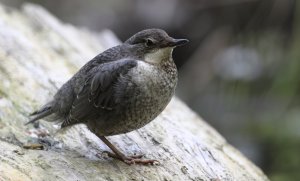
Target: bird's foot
(135, 159)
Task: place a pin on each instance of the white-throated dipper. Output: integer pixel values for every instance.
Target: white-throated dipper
(119, 90)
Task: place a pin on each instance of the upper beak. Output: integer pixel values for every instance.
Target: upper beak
(178, 42)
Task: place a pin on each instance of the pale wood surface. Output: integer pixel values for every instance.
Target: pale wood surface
(37, 54)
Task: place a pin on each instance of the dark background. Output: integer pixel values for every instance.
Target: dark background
(240, 71)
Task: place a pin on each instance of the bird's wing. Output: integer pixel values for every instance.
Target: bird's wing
(98, 91)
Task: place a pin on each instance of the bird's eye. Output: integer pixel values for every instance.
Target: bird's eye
(149, 42)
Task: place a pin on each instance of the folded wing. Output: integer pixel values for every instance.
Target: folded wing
(98, 91)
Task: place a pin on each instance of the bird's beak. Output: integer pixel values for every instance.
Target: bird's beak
(177, 42)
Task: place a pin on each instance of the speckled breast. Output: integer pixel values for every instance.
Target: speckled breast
(153, 89)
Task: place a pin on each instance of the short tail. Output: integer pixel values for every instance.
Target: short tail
(41, 113)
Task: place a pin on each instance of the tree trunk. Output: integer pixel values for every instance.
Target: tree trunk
(37, 54)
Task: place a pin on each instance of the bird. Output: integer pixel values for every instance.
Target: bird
(120, 90)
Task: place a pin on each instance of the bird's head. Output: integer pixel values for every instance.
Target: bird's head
(154, 45)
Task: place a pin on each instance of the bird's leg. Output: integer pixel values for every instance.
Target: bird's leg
(126, 159)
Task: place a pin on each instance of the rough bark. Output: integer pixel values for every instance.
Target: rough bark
(37, 54)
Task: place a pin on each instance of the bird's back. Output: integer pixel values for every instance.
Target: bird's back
(67, 94)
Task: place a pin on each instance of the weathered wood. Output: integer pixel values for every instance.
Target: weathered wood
(37, 54)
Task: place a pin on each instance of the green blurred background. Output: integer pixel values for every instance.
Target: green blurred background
(240, 72)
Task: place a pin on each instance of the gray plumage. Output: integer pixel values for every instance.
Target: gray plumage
(121, 89)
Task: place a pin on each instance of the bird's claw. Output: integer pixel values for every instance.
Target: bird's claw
(135, 159)
(130, 161)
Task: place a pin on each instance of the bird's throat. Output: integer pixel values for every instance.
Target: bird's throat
(159, 55)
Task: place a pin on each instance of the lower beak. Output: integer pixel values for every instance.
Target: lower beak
(178, 42)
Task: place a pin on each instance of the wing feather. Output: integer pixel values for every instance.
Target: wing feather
(98, 91)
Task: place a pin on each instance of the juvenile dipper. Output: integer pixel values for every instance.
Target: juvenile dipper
(119, 90)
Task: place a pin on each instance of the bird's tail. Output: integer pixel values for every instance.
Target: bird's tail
(41, 113)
